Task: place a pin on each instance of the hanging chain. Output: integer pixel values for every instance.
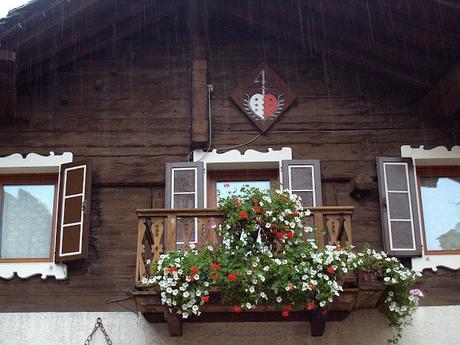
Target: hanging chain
(96, 326)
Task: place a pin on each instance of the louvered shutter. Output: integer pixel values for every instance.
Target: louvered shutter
(185, 189)
(398, 206)
(303, 178)
(74, 211)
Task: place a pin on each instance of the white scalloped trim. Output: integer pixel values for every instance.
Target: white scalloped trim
(434, 261)
(26, 270)
(249, 156)
(33, 162)
(439, 155)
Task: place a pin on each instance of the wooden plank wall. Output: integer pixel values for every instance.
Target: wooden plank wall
(140, 119)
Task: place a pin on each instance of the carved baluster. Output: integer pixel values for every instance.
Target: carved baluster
(347, 227)
(187, 225)
(333, 228)
(212, 237)
(140, 262)
(157, 229)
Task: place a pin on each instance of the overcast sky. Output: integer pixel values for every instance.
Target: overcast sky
(6, 5)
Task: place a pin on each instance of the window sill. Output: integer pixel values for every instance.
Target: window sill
(25, 270)
(450, 261)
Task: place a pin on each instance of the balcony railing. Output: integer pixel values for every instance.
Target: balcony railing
(166, 230)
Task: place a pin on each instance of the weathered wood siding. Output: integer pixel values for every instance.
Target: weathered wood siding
(140, 119)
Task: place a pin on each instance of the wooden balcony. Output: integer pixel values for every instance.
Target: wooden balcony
(165, 230)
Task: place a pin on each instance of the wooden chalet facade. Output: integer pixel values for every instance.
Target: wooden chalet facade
(109, 104)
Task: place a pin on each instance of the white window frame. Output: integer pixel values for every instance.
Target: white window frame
(173, 192)
(437, 156)
(35, 163)
(234, 159)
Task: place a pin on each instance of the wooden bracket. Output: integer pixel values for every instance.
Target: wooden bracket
(174, 322)
(318, 322)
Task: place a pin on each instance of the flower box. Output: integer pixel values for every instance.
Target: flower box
(362, 296)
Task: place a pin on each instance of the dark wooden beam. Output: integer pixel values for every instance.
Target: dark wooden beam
(32, 55)
(7, 84)
(38, 25)
(399, 29)
(198, 31)
(448, 3)
(330, 45)
(85, 45)
(443, 100)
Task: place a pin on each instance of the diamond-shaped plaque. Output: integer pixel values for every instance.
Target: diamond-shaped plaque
(263, 97)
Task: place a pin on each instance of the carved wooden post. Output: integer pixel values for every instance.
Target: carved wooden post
(171, 233)
(174, 322)
(319, 223)
(318, 322)
(7, 84)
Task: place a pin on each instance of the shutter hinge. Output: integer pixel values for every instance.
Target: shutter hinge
(84, 206)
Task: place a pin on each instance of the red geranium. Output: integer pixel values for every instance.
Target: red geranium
(191, 279)
(311, 305)
(279, 235)
(231, 277)
(244, 215)
(194, 270)
(215, 267)
(285, 313)
(257, 209)
(290, 234)
(214, 277)
(237, 309)
(238, 203)
(205, 299)
(330, 270)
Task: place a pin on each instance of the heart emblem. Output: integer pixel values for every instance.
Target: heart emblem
(263, 105)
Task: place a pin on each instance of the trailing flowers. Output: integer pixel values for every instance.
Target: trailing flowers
(268, 256)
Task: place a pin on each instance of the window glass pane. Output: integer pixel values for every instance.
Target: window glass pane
(26, 221)
(307, 198)
(184, 181)
(396, 176)
(441, 212)
(227, 188)
(301, 178)
(184, 201)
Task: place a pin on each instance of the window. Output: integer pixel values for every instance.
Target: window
(222, 183)
(439, 190)
(44, 214)
(27, 217)
(419, 199)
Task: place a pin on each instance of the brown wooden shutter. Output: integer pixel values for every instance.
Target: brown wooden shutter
(185, 189)
(74, 211)
(303, 178)
(398, 206)
(184, 185)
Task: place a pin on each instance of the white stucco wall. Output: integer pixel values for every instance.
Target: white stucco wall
(432, 325)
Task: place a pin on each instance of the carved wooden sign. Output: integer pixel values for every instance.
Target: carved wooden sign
(263, 97)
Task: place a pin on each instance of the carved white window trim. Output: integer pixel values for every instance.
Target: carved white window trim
(34, 163)
(437, 156)
(234, 159)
